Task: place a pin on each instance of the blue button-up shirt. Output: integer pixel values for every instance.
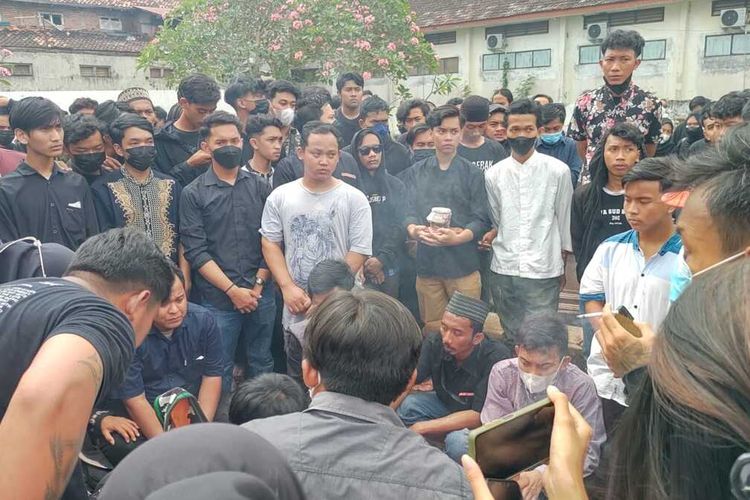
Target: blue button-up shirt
(192, 352)
(566, 152)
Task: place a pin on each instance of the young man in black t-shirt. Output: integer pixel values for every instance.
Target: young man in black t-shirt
(64, 343)
(475, 147)
(349, 87)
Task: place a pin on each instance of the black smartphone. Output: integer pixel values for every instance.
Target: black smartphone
(623, 316)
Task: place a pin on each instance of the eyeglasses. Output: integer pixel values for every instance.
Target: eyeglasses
(366, 150)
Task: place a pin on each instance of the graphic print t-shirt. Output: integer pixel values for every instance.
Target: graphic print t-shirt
(33, 310)
(485, 155)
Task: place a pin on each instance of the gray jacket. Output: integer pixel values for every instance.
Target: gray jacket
(343, 447)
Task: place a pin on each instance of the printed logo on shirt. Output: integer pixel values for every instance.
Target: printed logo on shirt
(76, 204)
(483, 164)
(376, 198)
(614, 216)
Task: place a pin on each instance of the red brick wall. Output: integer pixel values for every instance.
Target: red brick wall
(74, 18)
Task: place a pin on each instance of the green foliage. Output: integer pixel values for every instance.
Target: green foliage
(4, 70)
(313, 39)
(524, 88)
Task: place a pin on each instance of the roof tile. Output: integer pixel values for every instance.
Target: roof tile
(96, 41)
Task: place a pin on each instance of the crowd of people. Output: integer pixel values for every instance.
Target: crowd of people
(301, 271)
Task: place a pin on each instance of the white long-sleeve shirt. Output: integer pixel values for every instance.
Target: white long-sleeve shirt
(530, 206)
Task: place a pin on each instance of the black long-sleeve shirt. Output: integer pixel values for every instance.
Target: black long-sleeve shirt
(221, 222)
(55, 210)
(460, 188)
(173, 148)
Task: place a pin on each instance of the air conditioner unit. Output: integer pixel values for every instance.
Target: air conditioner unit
(596, 31)
(494, 42)
(733, 18)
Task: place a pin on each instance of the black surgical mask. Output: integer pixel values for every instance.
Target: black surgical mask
(6, 138)
(141, 157)
(89, 163)
(620, 88)
(421, 154)
(228, 156)
(694, 133)
(521, 145)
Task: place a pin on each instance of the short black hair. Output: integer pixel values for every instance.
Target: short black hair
(309, 109)
(626, 131)
(623, 39)
(525, 107)
(160, 113)
(411, 135)
(318, 128)
(125, 121)
(335, 102)
(283, 86)
(374, 104)
(198, 88)
(108, 111)
(256, 124)
(698, 100)
(552, 111)
(78, 127)
(504, 92)
(82, 103)
(349, 77)
(439, 114)
(721, 175)
(216, 119)
(367, 92)
(329, 274)
(543, 331)
(126, 259)
(177, 272)
(729, 105)
(267, 395)
(405, 108)
(652, 169)
(497, 108)
(316, 92)
(32, 113)
(549, 98)
(241, 86)
(364, 344)
(454, 101)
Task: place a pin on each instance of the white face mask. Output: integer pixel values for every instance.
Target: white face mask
(286, 116)
(311, 390)
(538, 383)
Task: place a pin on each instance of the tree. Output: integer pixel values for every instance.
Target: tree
(290, 39)
(4, 70)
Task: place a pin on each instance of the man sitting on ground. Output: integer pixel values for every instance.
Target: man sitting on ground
(360, 362)
(183, 349)
(542, 360)
(452, 377)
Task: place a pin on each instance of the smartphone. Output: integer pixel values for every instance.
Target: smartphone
(517, 442)
(623, 316)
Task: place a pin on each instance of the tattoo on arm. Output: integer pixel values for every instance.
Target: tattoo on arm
(64, 452)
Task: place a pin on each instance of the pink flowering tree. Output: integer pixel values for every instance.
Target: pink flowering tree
(5, 71)
(301, 39)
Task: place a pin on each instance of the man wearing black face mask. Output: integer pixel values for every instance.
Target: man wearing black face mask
(530, 197)
(136, 194)
(220, 216)
(619, 100)
(84, 145)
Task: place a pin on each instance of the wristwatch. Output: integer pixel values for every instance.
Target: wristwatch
(260, 281)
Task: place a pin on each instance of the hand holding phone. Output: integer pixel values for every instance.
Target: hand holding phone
(622, 350)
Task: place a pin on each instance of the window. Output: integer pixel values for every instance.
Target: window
(96, 71)
(446, 66)
(110, 23)
(654, 50)
(718, 5)
(441, 38)
(523, 29)
(727, 45)
(642, 16)
(589, 54)
(19, 69)
(517, 60)
(46, 18)
(160, 72)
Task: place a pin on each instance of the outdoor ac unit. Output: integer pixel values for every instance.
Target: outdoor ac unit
(494, 42)
(596, 31)
(733, 18)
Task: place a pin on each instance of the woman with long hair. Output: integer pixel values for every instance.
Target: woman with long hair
(689, 419)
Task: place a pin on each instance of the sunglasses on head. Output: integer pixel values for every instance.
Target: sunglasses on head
(366, 150)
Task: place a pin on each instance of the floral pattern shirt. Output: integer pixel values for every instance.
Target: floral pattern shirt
(598, 110)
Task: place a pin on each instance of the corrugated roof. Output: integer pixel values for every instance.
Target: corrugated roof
(52, 39)
(432, 14)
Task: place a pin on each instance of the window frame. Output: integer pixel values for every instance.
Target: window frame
(519, 29)
(731, 45)
(164, 72)
(625, 17)
(718, 5)
(598, 52)
(94, 70)
(438, 41)
(502, 56)
(51, 20)
(109, 20)
(664, 58)
(12, 66)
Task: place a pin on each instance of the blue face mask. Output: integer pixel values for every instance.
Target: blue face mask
(382, 130)
(552, 139)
